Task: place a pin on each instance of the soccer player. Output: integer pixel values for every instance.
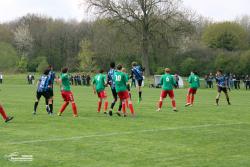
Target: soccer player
(111, 82)
(127, 77)
(222, 87)
(99, 84)
(121, 89)
(194, 84)
(167, 81)
(66, 93)
(52, 77)
(43, 87)
(137, 72)
(3, 113)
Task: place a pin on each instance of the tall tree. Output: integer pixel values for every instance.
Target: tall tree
(142, 15)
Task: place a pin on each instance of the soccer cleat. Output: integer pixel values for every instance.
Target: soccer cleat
(105, 113)
(8, 119)
(34, 113)
(48, 109)
(110, 113)
(175, 110)
(119, 113)
(158, 110)
(59, 114)
(75, 116)
(188, 104)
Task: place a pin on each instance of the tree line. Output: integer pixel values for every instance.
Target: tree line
(155, 33)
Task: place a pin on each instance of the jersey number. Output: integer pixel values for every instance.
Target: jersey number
(118, 78)
(167, 79)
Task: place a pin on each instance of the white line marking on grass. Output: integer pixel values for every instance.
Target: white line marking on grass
(122, 133)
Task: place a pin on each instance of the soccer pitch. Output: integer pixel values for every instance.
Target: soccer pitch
(200, 136)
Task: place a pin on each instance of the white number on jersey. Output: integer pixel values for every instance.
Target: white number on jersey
(118, 78)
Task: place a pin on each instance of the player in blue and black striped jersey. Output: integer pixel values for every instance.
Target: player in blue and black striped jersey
(43, 86)
(52, 77)
(111, 82)
(222, 86)
(137, 73)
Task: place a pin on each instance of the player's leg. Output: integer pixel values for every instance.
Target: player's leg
(65, 104)
(99, 105)
(46, 97)
(193, 96)
(139, 82)
(38, 96)
(51, 100)
(114, 100)
(188, 99)
(106, 103)
(119, 109)
(227, 96)
(4, 115)
(171, 95)
(162, 97)
(73, 104)
(218, 96)
(131, 107)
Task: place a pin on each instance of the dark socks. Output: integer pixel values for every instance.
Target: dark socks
(35, 106)
(140, 94)
(217, 101)
(51, 108)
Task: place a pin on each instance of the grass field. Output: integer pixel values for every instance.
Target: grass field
(201, 136)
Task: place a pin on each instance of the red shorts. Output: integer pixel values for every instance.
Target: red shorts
(67, 96)
(192, 91)
(164, 93)
(123, 95)
(102, 94)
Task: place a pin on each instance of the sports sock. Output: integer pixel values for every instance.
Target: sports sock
(106, 106)
(217, 101)
(140, 93)
(173, 103)
(65, 104)
(74, 108)
(123, 107)
(127, 104)
(51, 108)
(35, 106)
(192, 99)
(160, 104)
(113, 104)
(120, 107)
(228, 101)
(2, 112)
(131, 108)
(188, 99)
(99, 106)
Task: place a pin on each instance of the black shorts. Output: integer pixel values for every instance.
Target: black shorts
(46, 95)
(139, 82)
(114, 93)
(51, 92)
(222, 89)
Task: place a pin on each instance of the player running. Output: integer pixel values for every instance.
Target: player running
(111, 82)
(99, 84)
(4, 115)
(194, 84)
(43, 87)
(66, 93)
(167, 81)
(222, 87)
(52, 76)
(137, 72)
(121, 89)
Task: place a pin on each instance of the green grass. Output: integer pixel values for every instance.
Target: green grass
(201, 136)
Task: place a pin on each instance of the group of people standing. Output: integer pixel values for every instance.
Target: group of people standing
(79, 79)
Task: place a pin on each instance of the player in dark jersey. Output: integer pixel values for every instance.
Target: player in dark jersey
(4, 115)
(111, 82)
(137, 72)
(52, 76)
(222, 86)
(43, 90)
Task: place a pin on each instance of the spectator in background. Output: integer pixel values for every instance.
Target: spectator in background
(237, 82)
(1, 78)
(210, 80)
(88, 80)
(231, 82)
(176, 77)
(247, 82)
(83, 80)
(32, 79)
(206, 81)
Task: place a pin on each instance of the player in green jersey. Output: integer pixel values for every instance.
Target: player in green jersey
(99, 83)
(168, 83)
(194, 84)
(121, 88)
(67, 95)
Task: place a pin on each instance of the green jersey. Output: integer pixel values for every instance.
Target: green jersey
(99, 82)
(120, 81)
(167, 82)
(194, 81)
(65, 82)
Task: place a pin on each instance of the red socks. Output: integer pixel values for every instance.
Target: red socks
(188, 99)
(2, 112)
(106, 106)
(65, 104)
(99, 106)
(131, 109)
(192, 100)
(160, 104)
(74, 108)
(123, 107)
(173, 103)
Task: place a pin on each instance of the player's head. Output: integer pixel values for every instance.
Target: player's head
(134, 64)
(65, 70)
(219, 72)
(123, 70)
(101, 71)
(167, 70)
(195, 72)
(112, 65)
(119, 67)
(50, 67)
(46, 72)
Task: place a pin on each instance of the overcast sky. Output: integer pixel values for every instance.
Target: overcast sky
(217, 10)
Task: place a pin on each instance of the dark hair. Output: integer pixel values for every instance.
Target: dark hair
(65, 70)
(134, 64)
(46, 72)
(50, 66)
(101, 71)
(112, 64)
(195, 72)
(119, 67)
(219, 71)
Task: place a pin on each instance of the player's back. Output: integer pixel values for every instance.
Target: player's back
(194, 81)
(99, 81)
(120, 81)
(43, 84)
(65, 82)
(137, 72)
(111, 77)
(167, 82)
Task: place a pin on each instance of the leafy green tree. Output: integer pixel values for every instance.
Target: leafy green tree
(8, 57)
(227, 35)
(43, 64)
(188, 65)
(22, 64)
